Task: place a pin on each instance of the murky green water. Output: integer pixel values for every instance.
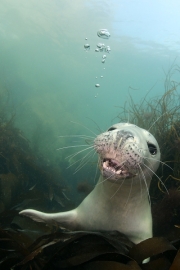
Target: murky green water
(51, 78)
(57, 81)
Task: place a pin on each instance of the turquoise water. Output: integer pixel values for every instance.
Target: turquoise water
(51, 77)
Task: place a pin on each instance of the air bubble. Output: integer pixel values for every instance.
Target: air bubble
(108, 49)
(103, 33)
(97, 85)
(103, 61)
(101, 49)
(99, 45)
(87, 47)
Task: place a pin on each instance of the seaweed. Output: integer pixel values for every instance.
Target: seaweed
(22, 170)
(86, 250)
(25, 177)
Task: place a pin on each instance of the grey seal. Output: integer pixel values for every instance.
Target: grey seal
(128, 158)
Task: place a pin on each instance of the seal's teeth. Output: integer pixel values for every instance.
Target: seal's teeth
(107, 163)
(113, 167)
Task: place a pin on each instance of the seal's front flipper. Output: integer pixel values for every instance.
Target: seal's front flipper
(66, 219)
(35, 215)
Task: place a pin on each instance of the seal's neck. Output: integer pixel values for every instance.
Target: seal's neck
(127, 188)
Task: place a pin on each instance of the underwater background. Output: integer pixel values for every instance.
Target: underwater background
(49, 76)
(62, 82)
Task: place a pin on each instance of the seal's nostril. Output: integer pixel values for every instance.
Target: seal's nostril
(129, 136)
(112, 128)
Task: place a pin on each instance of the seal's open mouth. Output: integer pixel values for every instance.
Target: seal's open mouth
(114, 167)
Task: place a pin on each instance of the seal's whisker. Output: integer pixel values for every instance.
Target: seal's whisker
(118, 188)
(101, 182)
(158, 178)
(105, 179)
(83, 162)
(79, 159)
(81, 166)
(72, 146)
(84, 127)
(148, 171)
(140, 183)
(163, 163)
(98, 127)
(90, 142)
(77, 136)
(96, 172)
(129, 193)
(145, 182)
(77, 153)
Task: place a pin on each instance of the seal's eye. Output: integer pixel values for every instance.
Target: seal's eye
(152, 149)
(111, 128)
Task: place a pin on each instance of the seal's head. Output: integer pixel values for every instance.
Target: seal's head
(127, 151)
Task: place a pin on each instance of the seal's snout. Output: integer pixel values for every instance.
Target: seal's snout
(113, 138)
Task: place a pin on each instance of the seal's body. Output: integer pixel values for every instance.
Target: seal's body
(128, 157)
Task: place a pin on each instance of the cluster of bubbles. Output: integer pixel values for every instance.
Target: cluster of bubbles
(100, 47)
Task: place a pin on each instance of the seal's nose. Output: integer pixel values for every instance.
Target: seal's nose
(124, 134)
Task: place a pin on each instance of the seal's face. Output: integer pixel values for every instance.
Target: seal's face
(126, 151)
